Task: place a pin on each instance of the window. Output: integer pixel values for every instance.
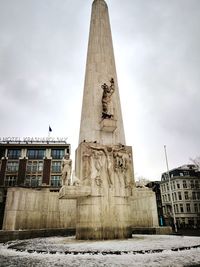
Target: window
(164, 209)
(176, 205)
(56, 166)
(10, 180)
(164, 177)
(181, 208)
(161, 188)
(173, 185)
(188, 207)
(179, 196)
(12, 166)
(35, 166)
(198, 195)
(56, 180)
(192, 183)
(167, 186)
(184, 184)
(186, 195)
(33, 180)
(169, 198)
(194, 195)
(186, 173)
(181, 174)
(195, 207)
(36, 153)
(178, 185)
(164, 189)
(2, 153)
(14, 153)
(175, 196)
(196, 183)
(57, 153)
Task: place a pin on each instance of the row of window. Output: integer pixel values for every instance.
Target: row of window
(183, 208)
(179, 196)
(36, 153)
(192, 221)
(33, 180)
(177, 185)
(33, 166)
(165, 176)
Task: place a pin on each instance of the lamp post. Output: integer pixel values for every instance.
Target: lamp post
(170, 190)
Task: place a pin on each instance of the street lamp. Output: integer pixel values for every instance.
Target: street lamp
(170, 190)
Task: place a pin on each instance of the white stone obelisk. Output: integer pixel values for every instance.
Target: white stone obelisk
(106, 201)
(100, 68)
(103, 162)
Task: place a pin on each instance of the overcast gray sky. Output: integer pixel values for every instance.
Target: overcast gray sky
(43, 46)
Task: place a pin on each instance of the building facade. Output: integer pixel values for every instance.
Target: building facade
(184, 195)
(34, 164)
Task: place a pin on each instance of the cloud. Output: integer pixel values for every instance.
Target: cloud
(42, 64)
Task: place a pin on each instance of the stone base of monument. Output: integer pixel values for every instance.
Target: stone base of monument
(162, 230)
(103, 233)
(73, 192)
(103, 217)
(107, 203)
(100, 215)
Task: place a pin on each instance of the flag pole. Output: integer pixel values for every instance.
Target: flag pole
(170, 190)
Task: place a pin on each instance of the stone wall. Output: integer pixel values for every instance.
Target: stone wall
(41, 209)
(143, 208)
(37, 209)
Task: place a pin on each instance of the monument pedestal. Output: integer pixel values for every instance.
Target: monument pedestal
(103, 217)
(103, 196)
(108, 125)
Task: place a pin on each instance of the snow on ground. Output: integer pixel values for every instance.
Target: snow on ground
(11, 257)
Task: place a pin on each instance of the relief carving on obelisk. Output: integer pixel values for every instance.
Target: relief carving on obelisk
(107, 107)
(106, 165)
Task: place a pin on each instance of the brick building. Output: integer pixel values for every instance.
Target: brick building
(30, 164)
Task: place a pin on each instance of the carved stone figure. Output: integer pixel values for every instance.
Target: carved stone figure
(66, 167)
(119, 167)
(109, 157)
(96, 174)
(107, 112)
(98, 159)
(123, 167)
(86, 165)
(129, 171)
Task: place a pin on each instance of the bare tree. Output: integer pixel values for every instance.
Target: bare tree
(196, 162)
(141, 181)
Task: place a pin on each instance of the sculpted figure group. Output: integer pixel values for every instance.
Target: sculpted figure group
(109, 161)
(112, 162)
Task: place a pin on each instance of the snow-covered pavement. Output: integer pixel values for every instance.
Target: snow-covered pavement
(141, 250)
